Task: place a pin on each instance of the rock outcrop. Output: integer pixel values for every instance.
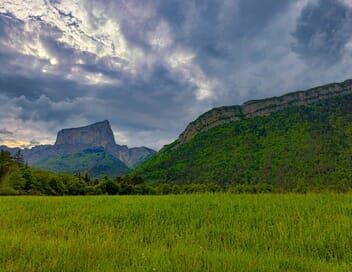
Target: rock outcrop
(250, 109)
(212, 118)
(300, 98)
(98, 134)
(130, 156)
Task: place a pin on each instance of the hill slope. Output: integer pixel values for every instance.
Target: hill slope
(94, 161)
(310, 143)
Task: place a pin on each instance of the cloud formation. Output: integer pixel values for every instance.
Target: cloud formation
(323, 31)
(151, 67)
(4, 131)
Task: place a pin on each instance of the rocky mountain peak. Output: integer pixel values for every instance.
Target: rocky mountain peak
(98, 134)
(78, 144)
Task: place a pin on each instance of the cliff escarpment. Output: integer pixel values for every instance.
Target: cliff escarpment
(251, 109)
(212, 118)
(98, 134)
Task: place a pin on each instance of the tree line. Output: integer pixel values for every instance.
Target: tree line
(17, 178)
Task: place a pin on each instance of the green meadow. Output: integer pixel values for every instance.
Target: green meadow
(208, 232)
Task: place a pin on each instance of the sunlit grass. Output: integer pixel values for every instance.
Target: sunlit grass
(220, 232)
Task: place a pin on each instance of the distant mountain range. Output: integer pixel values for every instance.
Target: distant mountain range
(301, 137)
(90, 149)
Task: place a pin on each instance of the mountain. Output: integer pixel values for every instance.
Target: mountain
(98, 134)
(77, 145)
(304, 136)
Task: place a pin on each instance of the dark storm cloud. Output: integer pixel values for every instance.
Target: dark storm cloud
(5, 132)
(227, 36)
(208, 27)
(136, 104)
(17, 76)
(234, 18)
(323, 30)
(223, 35)
(248, 48)
(34, 87)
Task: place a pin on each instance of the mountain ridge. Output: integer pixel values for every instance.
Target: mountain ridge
(252, 108)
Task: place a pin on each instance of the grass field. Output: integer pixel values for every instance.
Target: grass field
(218, 232)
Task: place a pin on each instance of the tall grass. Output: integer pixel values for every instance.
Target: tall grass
(219, 232)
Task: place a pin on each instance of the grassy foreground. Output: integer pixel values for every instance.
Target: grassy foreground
(220, 232)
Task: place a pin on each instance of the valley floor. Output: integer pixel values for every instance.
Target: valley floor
(220, 232)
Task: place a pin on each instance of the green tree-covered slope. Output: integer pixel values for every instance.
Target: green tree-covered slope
(94, 161)
(308, 144)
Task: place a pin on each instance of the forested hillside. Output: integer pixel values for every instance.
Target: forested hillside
(296, 147)
(16, 178)
(94, 161)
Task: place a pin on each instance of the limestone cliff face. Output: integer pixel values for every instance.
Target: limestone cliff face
(300, 98)
(212, 118)
(98, 134)
(131, 156)
(250, 109)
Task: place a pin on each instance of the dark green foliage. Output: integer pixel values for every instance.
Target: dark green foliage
(297, 149)
(94, 161)
(17, 178)
(19, 157)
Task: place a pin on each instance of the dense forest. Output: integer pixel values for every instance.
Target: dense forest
(16, 178)
(299, 148)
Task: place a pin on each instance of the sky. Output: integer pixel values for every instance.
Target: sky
(152, 66)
